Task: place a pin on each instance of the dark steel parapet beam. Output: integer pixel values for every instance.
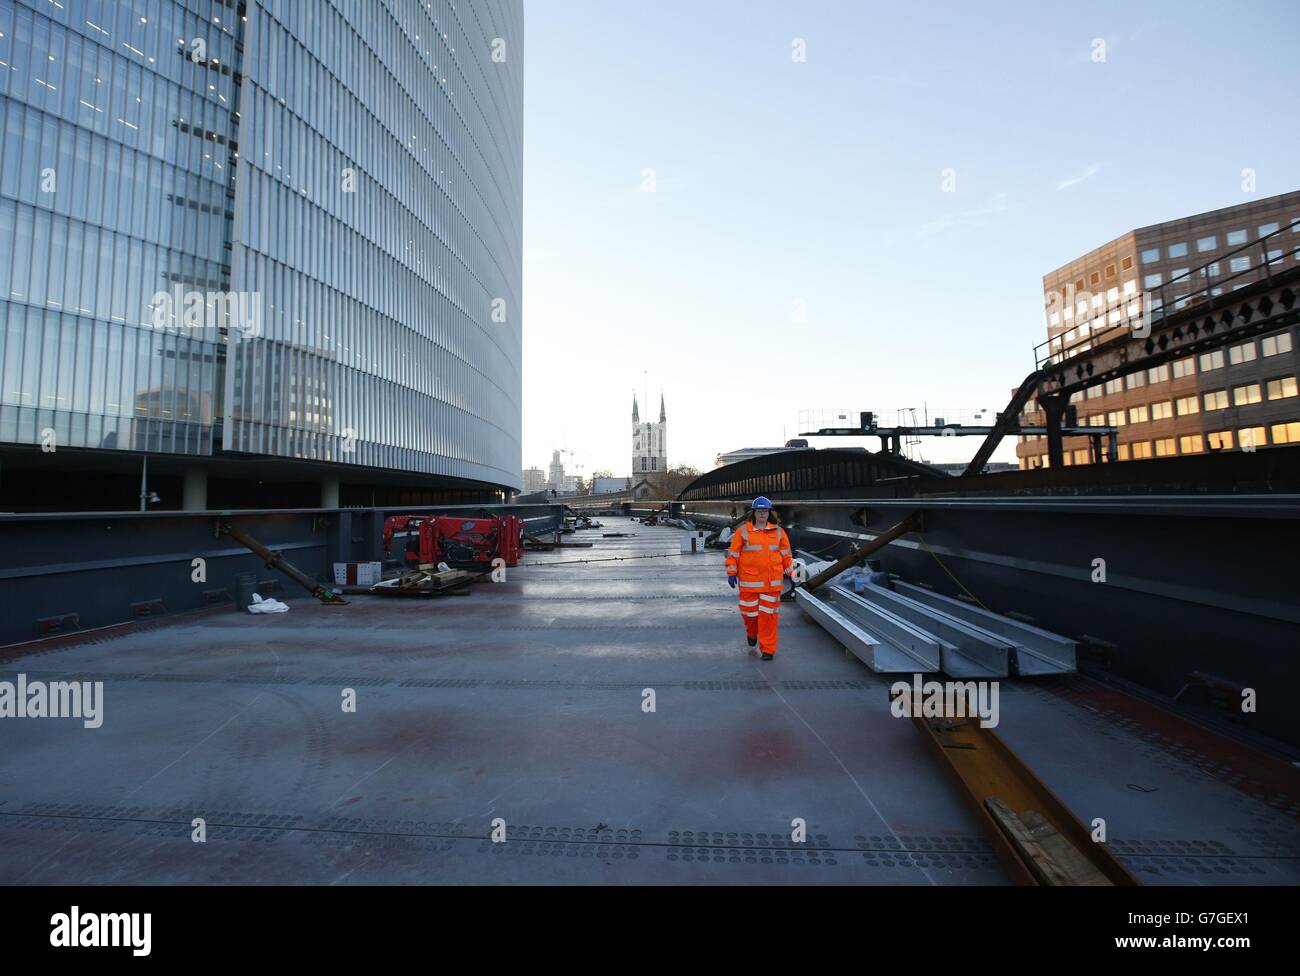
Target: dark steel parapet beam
(1260, 307)
(1008, 418)
(62, 573)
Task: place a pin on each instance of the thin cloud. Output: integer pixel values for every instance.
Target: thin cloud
(1087, 174)
(961, 218)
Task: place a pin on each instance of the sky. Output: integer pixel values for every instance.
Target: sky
(755, 235)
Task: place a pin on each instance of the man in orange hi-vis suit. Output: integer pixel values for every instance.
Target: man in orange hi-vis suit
(758, 560)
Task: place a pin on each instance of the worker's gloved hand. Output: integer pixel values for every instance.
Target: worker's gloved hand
(731, 581)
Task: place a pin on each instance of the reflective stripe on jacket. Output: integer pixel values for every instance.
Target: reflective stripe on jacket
(759, 557)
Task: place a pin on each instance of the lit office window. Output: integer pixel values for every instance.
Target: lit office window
(1211, 360)
(1138, 415)
(1115, 418)
(1162, 410)
(1276, 344)
(1251, 437)
(1287, 433)
(1244, 395)
(1243, 353)
(1281, 389)
(1184, 367)
(1141, 449)
(1219, 440)
(1159, 374)
(1216, 400)
(1081, 457)
(1190, 444)
(1165, 447)
(1093, 392)
(1116, 385)
(1187, 405)
(1123, 452)
(1134, 380)
(1204, 244)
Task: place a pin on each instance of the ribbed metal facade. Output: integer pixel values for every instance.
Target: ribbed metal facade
(338, 181)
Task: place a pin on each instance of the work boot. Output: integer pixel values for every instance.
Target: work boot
(767, 656)
(753, 641)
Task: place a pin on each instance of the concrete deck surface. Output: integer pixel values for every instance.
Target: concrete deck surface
(523, 702)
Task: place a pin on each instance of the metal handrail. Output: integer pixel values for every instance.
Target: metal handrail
(1045, 357)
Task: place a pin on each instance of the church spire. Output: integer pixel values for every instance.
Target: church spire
(662, 415)
(636, 417)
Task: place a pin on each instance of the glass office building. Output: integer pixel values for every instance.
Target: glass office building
(263, 230)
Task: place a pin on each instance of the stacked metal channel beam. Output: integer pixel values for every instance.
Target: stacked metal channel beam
(912, 629)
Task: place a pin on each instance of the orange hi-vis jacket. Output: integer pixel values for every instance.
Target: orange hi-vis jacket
(761, 557)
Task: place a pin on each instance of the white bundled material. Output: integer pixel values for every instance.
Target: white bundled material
(812, 569)
(260, 605)
(854, 577)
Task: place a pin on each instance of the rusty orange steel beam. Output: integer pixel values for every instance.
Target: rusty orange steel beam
(1036, 837)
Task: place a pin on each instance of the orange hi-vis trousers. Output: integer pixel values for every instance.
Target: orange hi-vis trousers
(761, 609)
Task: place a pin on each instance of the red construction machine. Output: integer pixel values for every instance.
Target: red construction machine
(462, 543)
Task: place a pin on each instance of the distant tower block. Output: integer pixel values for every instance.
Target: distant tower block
(649, 442)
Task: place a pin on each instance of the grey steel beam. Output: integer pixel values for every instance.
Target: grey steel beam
(871, 649)
(1035, 651)
(975, 653)
(888, 625)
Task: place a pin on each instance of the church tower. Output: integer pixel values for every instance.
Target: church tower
(649, 443)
